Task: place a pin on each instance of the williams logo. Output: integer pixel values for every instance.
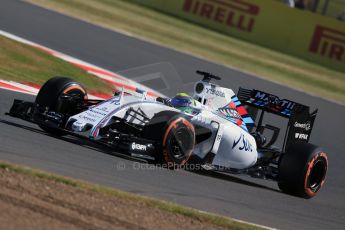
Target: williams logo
(329, 43)
(237, 14)
(230, 113)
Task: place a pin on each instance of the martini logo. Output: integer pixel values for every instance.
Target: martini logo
(329, 43)
(272, 100)
(236, 14)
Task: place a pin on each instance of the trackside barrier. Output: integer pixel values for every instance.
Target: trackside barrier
(268, 23)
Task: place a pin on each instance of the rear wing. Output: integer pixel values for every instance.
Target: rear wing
(300, 123)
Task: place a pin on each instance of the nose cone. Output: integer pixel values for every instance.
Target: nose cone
(79, 126)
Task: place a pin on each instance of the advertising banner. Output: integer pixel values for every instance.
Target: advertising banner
(268, 23)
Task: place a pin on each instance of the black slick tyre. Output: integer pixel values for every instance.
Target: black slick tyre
(302, 170)
(50, 95)
(176, 136)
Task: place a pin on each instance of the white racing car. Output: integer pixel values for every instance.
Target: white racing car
(212, 128)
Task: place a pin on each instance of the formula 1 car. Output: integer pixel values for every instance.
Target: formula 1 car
(215, 128)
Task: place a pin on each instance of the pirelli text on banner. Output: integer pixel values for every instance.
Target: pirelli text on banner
(236, 14)
(328, 42)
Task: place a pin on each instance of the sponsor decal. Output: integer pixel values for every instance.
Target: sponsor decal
(328, 42)
(77, 125)
(305, 126)
(243, 144)
(301, 136)
(94, 112)
(212, 91)
(99, 112)
(236, 14)
(269, 99)
(140, 147)
(104, 108)
(87, 118)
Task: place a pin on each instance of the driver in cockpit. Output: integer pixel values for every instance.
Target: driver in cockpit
(185, 103)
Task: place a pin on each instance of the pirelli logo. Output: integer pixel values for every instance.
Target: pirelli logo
(329, 43)
(236, 14)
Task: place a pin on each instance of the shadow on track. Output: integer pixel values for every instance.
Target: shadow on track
(231, 178)
(86, 143)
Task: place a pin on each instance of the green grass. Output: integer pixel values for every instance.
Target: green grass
(149, 202)
(187, 37)
(22, 63)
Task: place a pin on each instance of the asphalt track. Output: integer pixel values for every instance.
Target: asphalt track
(239, 197)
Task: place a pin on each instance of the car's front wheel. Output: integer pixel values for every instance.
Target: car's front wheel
(51, 96)
(176, 135)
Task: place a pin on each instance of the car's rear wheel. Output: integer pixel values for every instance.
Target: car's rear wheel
(51, 96)
(302, 170)
(176, 135)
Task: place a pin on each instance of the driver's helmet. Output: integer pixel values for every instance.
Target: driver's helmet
(183, 102)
